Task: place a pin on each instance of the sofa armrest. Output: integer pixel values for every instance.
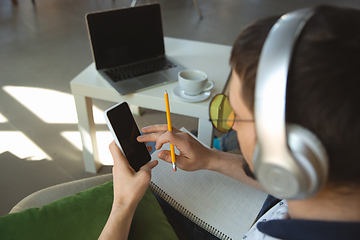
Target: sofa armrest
(56, 192)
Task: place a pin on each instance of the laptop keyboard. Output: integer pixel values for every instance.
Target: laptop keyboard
(138, 69)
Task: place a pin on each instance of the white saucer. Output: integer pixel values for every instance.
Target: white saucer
(187, 98)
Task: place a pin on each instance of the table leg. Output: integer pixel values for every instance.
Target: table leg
(136, 110)
(87, 131)
(205, 132)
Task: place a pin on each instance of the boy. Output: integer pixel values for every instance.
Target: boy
(322, 96)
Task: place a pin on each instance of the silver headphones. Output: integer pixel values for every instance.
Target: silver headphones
(289, 161)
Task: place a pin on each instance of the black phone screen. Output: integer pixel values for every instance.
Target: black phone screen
(126, 131)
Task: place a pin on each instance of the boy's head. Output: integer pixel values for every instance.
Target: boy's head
(322, 87)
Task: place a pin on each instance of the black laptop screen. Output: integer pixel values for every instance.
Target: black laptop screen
(127, 35)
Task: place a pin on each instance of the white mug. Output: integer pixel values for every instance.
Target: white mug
(193, 82)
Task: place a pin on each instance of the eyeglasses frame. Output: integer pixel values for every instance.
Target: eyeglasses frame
(222, 102)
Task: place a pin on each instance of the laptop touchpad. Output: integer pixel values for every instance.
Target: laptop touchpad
(153, 79)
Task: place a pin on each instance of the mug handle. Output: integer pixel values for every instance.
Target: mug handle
(210, 86)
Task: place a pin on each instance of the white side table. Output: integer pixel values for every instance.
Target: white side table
(210, 58)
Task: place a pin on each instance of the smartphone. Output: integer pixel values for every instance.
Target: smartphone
(122, 126)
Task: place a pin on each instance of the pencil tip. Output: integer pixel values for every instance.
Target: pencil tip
(165, 92)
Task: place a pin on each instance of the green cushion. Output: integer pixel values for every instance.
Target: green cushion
(83, 216)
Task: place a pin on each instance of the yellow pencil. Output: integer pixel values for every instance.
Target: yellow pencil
(167, 105)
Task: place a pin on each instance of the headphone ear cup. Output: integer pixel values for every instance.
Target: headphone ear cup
(279, 176)
(300, 173)
(311, 157)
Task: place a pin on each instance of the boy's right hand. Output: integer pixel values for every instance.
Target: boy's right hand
(193, 155)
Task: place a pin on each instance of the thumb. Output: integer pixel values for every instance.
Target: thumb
(148, 166)
(165, 155)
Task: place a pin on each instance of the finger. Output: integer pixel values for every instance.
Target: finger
(118, 157)
(165, 138)
(165, 155)
(158, 128)
(149, 137)
(114, 149)
(154, 128)
(148, 166)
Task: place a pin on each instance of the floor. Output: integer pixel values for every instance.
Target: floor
(44, 45)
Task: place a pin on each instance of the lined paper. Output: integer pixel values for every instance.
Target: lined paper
(222, 202)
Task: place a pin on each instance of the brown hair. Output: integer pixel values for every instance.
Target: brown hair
(323, 82)
(245, 55)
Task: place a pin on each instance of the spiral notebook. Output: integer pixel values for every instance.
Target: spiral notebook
(219, 204)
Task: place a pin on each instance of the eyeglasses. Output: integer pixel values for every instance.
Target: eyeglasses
(221, 114)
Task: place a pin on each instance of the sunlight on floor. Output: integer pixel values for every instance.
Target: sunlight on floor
(104, 138)
(49, 105)
(52, 107)
(3, 119)
(21, 146)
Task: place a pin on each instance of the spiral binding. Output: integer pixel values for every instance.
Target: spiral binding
(188, 214)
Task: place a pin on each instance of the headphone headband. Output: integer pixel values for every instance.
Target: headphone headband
(271, 81)
(289, 161)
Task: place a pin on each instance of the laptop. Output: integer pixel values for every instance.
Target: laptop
(128, 48)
